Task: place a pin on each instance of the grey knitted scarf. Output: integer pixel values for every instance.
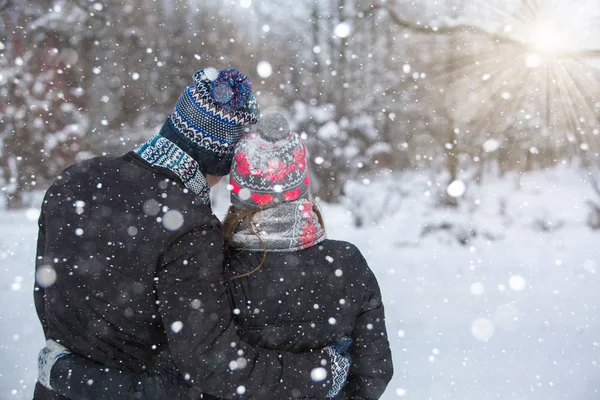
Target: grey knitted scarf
(290, 226)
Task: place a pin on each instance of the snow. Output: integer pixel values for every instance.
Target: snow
(318, 374)
(456, 188)
(173, 220)
(477, 289)
(491, 145)
(20, 331)
(535, 341)
(177, 326)
(264, 69)
(343, 30)
(330, 131)
(509, 314)
(379, 148)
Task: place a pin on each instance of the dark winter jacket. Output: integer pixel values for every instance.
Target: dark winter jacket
(132, 264)
(297, 301)
(307, 299)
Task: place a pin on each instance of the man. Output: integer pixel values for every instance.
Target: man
(130, 257)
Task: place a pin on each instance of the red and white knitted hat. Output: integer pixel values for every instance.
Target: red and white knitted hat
(269, 166)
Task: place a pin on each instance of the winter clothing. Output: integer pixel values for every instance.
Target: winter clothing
(288, 227)
(270, 174)
(47, 358)
(72, 375)
(312, 297)
(161, 152)
(296, 302)
(341, 363)
(210, 116)
(81, 379)
(130, 263)
(269, 167)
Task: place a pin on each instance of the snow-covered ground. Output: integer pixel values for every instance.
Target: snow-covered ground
(514, 314)
(20, 331)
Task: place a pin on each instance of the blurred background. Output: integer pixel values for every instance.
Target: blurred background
(456, 142)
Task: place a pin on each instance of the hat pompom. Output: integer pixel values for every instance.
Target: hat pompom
(273, 127)
(231, 89)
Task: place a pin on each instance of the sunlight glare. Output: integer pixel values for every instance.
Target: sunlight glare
(548, 38)
(533, 61)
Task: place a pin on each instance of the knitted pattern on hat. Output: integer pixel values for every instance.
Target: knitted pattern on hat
(161, 152)
(210, 116)
(290, 226)
(269, 167)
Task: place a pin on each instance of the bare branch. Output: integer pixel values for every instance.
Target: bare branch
(462, 28)
(590, 53)
(446, 30)
(86, 7)
(439, 30)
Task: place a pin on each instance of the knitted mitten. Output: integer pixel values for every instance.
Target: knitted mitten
(340, 364)
(46, 359)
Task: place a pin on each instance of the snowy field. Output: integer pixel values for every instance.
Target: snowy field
(513, 314)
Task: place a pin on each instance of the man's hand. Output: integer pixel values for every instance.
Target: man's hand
(46, 359)
(340, 364)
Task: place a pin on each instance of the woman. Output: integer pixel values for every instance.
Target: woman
(290, 287)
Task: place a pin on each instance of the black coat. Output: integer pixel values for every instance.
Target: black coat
(128, 254)
(310, 298)
(296, 302)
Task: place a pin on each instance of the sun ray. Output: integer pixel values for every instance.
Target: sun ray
(583, 92)
(501, 14)
(566, 100)
(498, 116)
(487, 57)
(487, 92)
(550, 76)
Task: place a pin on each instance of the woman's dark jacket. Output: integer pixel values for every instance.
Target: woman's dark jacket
(307, 299)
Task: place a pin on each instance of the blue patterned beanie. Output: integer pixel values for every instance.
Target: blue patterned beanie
(210, 116)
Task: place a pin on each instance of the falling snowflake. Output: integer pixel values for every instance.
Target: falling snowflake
(176, 326)
(318, 374)
(264, 69)
(482, 329)
(343, 30)
(517, 283)
(456, 189)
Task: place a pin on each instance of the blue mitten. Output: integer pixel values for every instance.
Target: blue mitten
(46, 359)
(340, 364)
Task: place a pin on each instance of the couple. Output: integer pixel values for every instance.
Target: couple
(143, 294)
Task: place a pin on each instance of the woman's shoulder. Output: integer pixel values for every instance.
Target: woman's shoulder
(346, 260)
(331, 255)
(341, 247)
(344, 255)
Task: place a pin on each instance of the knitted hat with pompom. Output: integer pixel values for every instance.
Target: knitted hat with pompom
(210, 117)
(269, 166)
